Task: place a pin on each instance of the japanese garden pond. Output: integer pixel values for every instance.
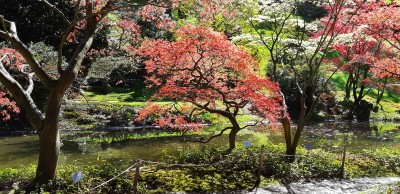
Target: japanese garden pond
(124, 148)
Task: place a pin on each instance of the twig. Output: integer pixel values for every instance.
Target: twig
(55, 9)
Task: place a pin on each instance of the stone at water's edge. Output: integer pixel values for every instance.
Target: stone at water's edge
(364, 185)
(363, 111)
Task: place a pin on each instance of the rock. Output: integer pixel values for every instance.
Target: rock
(363, 111)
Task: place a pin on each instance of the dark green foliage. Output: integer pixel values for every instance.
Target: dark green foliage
(151, 31)
(85, 121)
(309, 11)
(35, 23)
(292, 96)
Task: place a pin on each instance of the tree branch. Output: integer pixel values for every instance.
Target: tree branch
(212, 137)
(31, 84)
(23, 99)
(55, 9)
(205, 107)
(10, 34)
(64, 36)
(251, 125)
(71, 71)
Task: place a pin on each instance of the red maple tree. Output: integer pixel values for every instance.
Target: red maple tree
(205, 70)
(369, 53)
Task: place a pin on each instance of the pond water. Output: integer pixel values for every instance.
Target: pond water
(16, 151)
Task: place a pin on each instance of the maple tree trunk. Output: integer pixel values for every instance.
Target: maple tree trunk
(49, 138)
(232, 138)
(49, 152)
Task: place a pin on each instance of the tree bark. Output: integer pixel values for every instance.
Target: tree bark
(49, 152)
(300, 126)
(348, 86)
(49, 138)
(288, 136)
(232, 138)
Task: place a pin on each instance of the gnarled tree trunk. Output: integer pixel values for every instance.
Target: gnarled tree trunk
(234, 131)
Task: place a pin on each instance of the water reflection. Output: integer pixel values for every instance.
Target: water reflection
(23, 150)
(366, 135)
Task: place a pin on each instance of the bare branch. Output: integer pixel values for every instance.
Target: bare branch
(4, 57)
(89, 8)
(192, 112)
(251, 125)
(61, 45)
(9, 27)
(55, 9)
(212, 137)
(73, 67)
(71, 71)
(144, 4)
(64, 35)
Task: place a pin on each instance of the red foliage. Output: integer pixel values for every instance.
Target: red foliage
(382, 20)
(209, 10)
(12, 60)
(374, 34)
(129, 28)
(156, 15)
(205, 69)
(7, 105)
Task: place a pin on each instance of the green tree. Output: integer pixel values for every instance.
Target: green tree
(294, 55)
